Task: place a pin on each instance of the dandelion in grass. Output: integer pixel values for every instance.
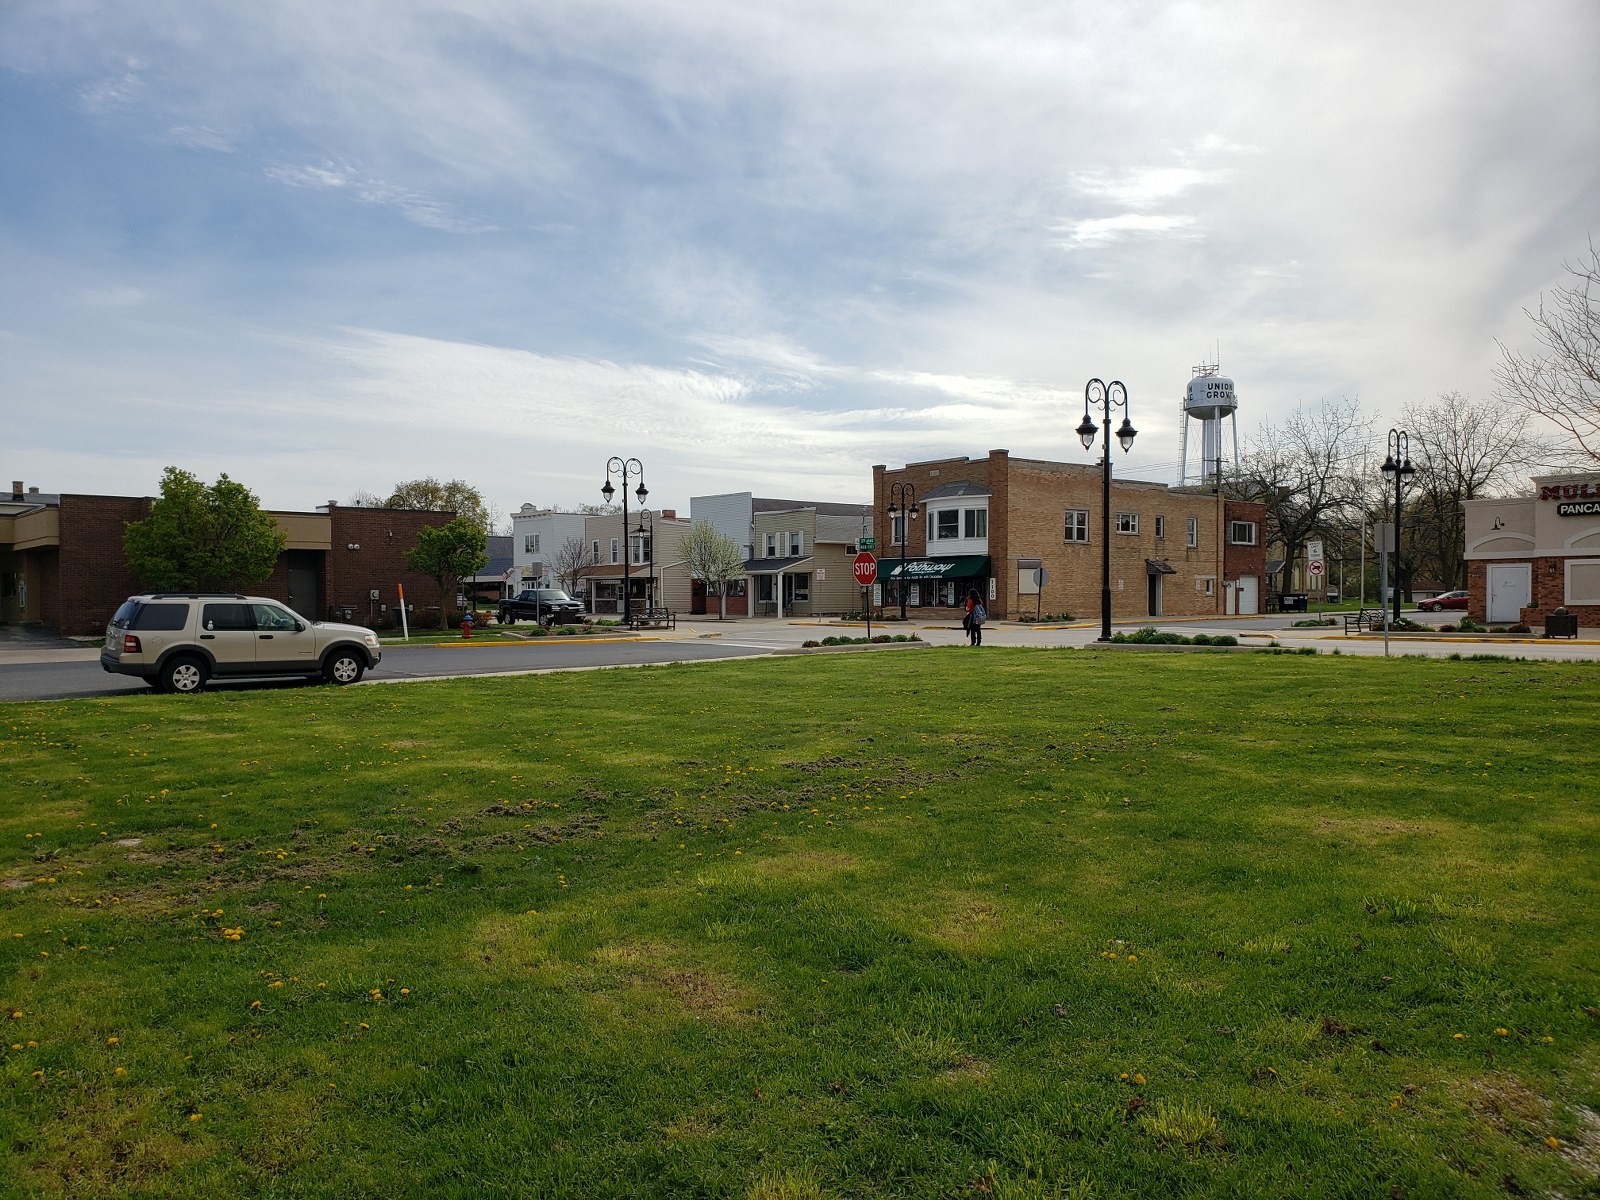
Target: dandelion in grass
(1502, 1031)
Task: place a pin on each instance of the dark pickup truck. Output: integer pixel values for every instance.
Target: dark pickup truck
(548, 606)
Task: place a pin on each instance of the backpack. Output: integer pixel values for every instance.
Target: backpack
(979, 614)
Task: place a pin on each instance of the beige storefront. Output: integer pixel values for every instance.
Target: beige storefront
(1530, 555)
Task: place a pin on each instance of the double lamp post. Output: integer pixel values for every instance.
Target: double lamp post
(1397, 469)
(902, 503)
(626, 467)
(1114, 396)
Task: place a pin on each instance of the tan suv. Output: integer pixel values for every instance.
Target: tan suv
(177, 642)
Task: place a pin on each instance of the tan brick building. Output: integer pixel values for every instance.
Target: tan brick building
(992, 524)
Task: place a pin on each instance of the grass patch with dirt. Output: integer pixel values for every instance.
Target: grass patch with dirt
(1062, 924)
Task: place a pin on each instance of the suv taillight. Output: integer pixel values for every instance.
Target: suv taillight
(130, 644)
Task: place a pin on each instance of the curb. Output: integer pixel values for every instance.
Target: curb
(792, 650)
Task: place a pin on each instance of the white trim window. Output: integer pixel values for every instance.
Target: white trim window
(1127, 522)
(946, 524)
(1242, 533)
(797, 542)
(1192, 538)
(1161, 526)
(975, 522)
(594, 552)
(530, 543)
(1077, 529)
(616, 550)
(1583, 581)
(897, 529)
(639, 548)
(770, 550)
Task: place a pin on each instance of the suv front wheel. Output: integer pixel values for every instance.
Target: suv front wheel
(344, 666)
(184, 675)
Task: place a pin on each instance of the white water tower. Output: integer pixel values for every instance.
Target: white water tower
(1209, 399)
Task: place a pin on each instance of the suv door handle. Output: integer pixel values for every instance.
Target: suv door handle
(266, 637)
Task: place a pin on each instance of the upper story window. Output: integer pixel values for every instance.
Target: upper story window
(897, 529)
(772, 546)
(594, 552)
(639, 548)
(796, 545)
(1242, 533)
(950, 524)
(1127, 522)
(616, 550)
(530, 543)
(1077, 525)
(1193, 537)
(1161, 526)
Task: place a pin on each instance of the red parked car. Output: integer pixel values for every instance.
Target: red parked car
(1456, 599)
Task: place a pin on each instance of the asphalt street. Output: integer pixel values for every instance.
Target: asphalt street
(39, 667)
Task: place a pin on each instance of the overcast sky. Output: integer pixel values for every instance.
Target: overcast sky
(327, 246)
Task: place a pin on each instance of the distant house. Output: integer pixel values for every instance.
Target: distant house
(539, 537)
(656, 574)
(797, 553)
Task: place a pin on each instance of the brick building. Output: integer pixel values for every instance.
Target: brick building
(62, 565)
(992, 524)
(1529, 555)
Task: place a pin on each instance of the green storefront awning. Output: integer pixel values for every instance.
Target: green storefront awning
(961, 566)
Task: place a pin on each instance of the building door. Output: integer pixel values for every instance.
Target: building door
(1154, 589)
(303, 573)
(1249, 594)
(1510, 591)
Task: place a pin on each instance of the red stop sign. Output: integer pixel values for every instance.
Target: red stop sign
(865, 569)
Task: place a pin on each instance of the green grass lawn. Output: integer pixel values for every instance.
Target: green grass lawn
(998, 923)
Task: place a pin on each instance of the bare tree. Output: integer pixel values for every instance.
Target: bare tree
(1307, 471)
(569, 560)
(1562, 384)
(456, 496)
(714, 559)
(1462, 451)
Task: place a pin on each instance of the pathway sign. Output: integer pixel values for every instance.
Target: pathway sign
(865, 569)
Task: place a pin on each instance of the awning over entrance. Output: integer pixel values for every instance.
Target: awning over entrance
(1159, 566)
(960, 566)
(774, 566)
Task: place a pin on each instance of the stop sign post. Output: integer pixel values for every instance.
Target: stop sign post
(865, 569)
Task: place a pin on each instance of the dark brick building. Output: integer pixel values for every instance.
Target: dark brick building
(62, 566)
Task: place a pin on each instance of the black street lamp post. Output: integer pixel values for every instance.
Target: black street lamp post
(1398, 470)
(902, 502)
(1114, 396)
(625, 467)
(646, 515)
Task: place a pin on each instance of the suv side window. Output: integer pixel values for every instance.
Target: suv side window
(270, 616)
(226, 616)
(159, 617)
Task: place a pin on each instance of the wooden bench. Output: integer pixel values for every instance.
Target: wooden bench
(1366, 619)
(655, 618)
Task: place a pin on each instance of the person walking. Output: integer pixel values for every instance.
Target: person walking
(976, 616)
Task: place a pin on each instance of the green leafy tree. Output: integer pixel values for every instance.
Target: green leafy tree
(447, 554)
(203, 539)
(714, 559)
(457, 496)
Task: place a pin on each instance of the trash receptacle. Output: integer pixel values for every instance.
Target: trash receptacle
(1561, 623)
(1292, 602)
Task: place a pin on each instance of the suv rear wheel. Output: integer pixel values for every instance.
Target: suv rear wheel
(184, 675)
(344, 666)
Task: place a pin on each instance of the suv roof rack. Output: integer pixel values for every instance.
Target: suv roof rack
(197, 596)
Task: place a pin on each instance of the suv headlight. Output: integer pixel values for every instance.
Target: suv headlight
(370, 638)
